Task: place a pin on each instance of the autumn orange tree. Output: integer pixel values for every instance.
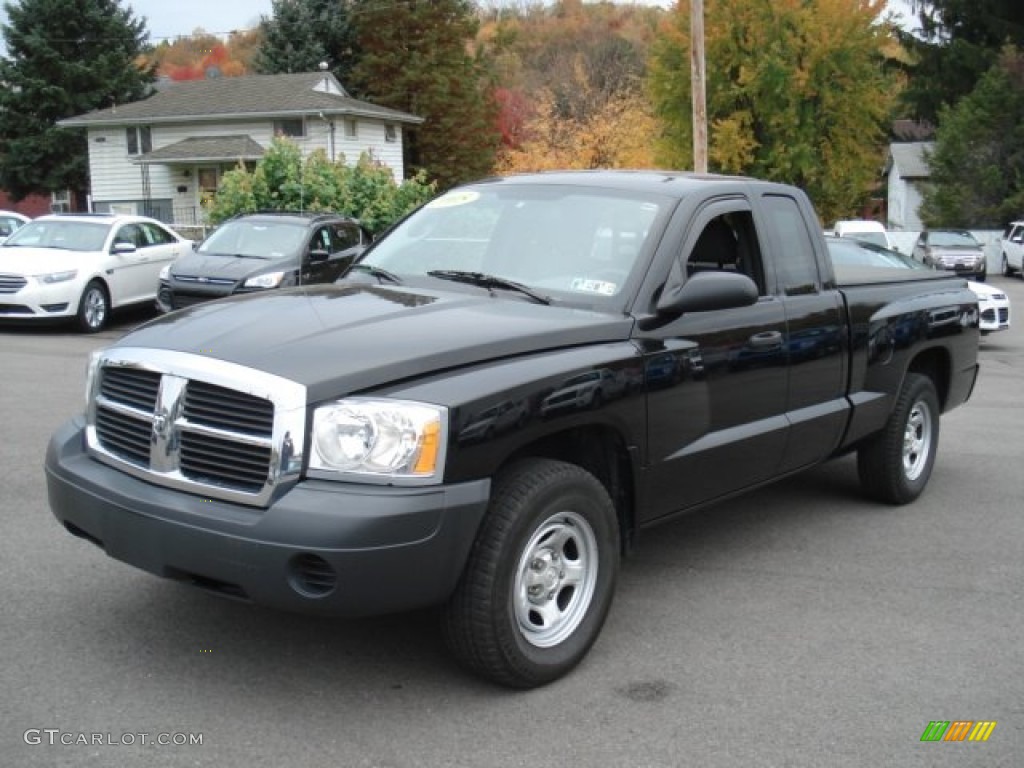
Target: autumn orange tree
(797, 91)
(570, 81)
(195, 56)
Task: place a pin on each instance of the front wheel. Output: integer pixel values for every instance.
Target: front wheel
(894, 466)
(93, 308)
(1007, 272)
(540, 578)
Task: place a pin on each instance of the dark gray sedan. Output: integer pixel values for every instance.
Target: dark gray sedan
(954, 249)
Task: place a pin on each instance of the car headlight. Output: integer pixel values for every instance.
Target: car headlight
(165, 273)
(57, 277)
(380, 440)
(269, 280)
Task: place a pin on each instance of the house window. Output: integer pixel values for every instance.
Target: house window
(390, 134)
(60, 201)
(293, 128)
(139, 137)
(351, 131)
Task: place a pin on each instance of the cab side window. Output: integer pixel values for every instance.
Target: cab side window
(796, 268)
(728, 243)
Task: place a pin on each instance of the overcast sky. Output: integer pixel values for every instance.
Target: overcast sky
(167, 19)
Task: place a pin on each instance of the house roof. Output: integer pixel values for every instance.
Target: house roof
(205, 149)
(911, 159)
(252, 96)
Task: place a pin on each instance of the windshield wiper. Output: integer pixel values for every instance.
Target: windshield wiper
(374, 271)
(487, 281)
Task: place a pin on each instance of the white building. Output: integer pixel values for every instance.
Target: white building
(163, 155)
(906, 170)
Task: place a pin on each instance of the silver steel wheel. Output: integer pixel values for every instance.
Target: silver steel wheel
(555, 579)
(94, 307)
(917, 440)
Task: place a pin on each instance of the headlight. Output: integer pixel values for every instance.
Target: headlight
(165, 273)
(57, 277)
(387, 440)
(269, 280)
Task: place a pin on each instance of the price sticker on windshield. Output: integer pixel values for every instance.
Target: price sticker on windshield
(587, 285)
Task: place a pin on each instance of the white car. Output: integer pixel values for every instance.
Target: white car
(10, 221)
(82, 266)
(864, 230)
(994, 306)
(1012, 245)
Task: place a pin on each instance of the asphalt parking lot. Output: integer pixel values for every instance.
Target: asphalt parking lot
(799, 626)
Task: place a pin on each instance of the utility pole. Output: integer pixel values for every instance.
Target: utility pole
(697, 79)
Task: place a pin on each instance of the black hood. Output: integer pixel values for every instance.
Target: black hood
(223, 266)
(337, 339)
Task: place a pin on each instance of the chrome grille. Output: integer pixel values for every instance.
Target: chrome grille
(209, 459)
(131, 387)
(125, 436)
(12, 283)
(213, 428)
(224, 408)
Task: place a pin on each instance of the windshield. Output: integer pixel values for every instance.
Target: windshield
(572, 242)
(258, 239)
(66, 235)
(952, 240)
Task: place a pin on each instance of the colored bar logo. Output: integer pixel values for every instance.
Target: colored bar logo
(958, 730)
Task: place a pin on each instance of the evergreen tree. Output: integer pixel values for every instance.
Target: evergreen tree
(64, 58)
(300, 34)
(414, 57)
(977, 167)
(957, 42)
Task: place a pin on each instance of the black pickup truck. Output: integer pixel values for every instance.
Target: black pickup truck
(501, 394)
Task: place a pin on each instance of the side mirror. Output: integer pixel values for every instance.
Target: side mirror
(317, 255)
(704, 291)
(122, 247)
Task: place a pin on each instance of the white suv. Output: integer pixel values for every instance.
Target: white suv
(1013, 248)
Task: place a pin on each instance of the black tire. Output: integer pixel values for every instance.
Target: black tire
(894, 466)
(93, 308)
(1007, 272)
(515, 618)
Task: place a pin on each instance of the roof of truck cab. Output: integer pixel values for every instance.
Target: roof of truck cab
(671, 183)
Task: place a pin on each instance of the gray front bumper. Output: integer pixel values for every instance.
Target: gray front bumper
(323, 547)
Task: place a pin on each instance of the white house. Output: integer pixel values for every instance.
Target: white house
(906, 170)
(162, 155)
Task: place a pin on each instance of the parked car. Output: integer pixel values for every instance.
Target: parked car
(993, 304)
(954, 249)
(863, 229)
(82, 266)
(10, 221)
(1012, 247)
(260, 251)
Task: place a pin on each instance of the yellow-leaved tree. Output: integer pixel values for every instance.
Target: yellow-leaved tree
(798, 91)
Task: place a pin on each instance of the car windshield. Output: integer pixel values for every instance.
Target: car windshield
(851, 252)
(952, 240)
(257, 239)
(575, 243)
(66, 235)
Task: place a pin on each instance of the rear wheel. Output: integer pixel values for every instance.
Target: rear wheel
(93, 308)
(894, 466)
(540, 578)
